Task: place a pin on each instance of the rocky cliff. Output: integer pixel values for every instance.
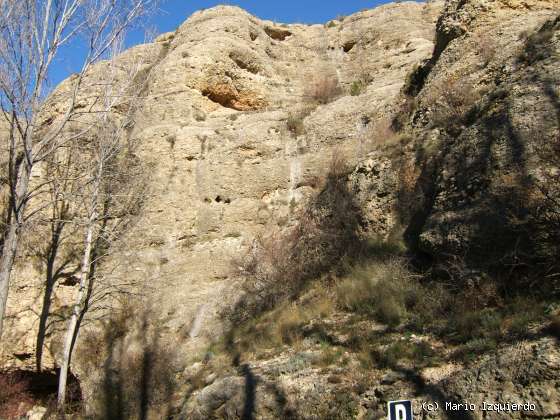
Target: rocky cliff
(445, 116)
(223, 166)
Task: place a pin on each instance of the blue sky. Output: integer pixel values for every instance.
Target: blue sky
(174, 12)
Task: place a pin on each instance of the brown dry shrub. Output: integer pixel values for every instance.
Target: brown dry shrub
(15, 398)
(384, 290)
(450, 101)
(295, 124)
(323, 88)
(382, 133)
(279, 264)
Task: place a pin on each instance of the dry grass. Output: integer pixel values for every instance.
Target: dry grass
(295, 122)
(384, 290)
(285, 325)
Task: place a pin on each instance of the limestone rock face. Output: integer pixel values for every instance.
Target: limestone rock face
(488, 103)
(522, 374)
(374, 183)
(221, 162)
(238, 129)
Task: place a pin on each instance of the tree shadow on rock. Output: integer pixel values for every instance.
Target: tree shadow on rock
(328, 233)
(137, 377)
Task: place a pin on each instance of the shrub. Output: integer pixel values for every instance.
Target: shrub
(383, 290)
(389, 357)
(468, 326)
(278, 265)
(474, 348)
(330, 355)
(323, 88)
(14, 395)
(450, 101)
(295, 125)
(356, 88)
(289, 324)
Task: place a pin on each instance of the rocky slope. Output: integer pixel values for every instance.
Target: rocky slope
(222, 164)
(445, 114)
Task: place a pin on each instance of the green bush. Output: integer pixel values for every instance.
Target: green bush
(356, 88)
(472, 325)
(475, 347)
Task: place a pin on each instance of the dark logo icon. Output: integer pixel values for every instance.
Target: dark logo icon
(400, 410)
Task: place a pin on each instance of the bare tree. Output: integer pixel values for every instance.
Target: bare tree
(106, 191)
(32, 35)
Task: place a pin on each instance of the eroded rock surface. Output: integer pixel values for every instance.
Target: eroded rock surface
(222, 165)
(225, 164)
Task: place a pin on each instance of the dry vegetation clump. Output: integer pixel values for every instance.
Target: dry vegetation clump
(384, 290)
(286, 325)
(390, 355)
(322, 88)
(15, 398)
(382, 134)
(450, 101)
(295, 125)
(279, 264)
(356, 88)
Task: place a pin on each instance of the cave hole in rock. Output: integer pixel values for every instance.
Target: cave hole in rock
(348, 46)
(244, 64)
(220, 199)
(277, 33)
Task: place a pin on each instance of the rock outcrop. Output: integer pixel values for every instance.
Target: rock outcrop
(223, 166)
(492, 111)
(446, 115)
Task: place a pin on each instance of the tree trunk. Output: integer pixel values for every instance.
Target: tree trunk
(72, 331)
(11, 240)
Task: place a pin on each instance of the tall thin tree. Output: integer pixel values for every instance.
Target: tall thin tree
(32, 35)
(106, 192)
